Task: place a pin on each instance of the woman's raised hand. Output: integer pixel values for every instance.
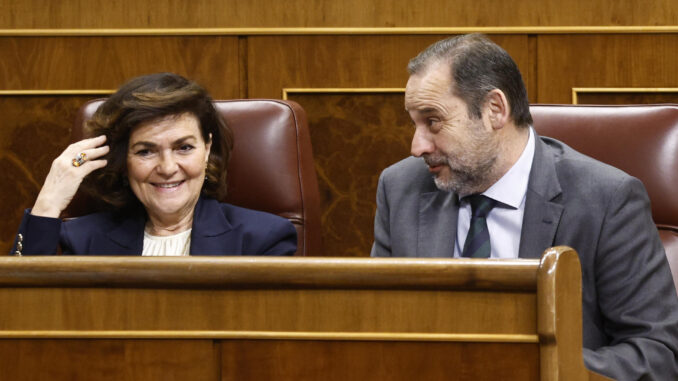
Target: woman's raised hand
(66, 174)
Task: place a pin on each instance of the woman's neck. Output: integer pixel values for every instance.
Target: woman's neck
(159, 226)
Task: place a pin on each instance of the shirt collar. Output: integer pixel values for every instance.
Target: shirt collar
(511, 188)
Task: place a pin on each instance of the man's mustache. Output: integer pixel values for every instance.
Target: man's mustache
(433, 161)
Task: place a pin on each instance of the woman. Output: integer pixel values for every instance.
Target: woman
(158, 159)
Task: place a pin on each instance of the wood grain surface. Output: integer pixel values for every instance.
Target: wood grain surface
(347, 13)
(291, 318)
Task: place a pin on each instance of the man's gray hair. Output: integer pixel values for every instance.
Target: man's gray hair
(478, 66)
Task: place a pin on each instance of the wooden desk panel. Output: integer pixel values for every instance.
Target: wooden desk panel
(291, 318)
(378, 361)
(96, 359)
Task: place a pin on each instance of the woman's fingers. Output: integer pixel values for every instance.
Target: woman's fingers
(87, 146)
(89, 143)
(67, 172)
(89, 156)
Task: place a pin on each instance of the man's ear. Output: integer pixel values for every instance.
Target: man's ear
(497, 108)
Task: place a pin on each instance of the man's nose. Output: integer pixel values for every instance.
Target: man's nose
(421, 142)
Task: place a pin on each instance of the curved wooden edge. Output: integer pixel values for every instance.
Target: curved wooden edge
(559, 317)
(268, 272)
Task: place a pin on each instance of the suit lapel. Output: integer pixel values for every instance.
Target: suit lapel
(437, 227)
(212, 233)
(542, 212)
(127, 238)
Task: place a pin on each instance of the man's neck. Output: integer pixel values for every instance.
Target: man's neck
(513, 141)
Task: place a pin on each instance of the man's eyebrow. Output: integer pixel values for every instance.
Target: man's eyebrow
(428, 110)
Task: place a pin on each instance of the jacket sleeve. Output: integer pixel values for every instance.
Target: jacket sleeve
(382, 233)
(37, 235)
(281, 239)
(636, 294)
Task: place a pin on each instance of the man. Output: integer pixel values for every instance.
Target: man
(487, 175)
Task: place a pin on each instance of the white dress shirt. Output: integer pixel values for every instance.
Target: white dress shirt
(505, 220)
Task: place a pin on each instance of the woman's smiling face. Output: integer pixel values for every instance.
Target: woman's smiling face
(166, 160)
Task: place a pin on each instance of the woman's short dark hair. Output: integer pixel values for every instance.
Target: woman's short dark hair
(144, 99)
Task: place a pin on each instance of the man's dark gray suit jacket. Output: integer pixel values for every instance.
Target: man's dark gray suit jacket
(630, 306)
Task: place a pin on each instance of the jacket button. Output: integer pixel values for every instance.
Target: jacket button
(17, 253)
(20, 237)
(19, 246)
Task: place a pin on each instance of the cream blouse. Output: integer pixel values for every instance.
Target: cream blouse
(173, 245)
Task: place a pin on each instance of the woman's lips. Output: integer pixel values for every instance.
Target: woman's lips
(168, 186)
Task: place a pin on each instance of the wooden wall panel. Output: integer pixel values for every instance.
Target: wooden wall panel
(34, 131)
(330, 13)
(37, 63)
(277, 62)
(617, 60)
(623, 97)
(354, 137)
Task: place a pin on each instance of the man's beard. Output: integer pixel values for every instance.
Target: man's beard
(463, 178)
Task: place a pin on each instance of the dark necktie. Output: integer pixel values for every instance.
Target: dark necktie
(477, 243)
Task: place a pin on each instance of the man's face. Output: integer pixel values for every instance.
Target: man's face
(461, 152)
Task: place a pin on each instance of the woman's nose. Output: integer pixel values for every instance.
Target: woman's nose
(167, 165)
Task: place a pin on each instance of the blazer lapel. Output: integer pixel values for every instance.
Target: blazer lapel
(212, 233)
(542, 212)
(127, 238)
(437, 227)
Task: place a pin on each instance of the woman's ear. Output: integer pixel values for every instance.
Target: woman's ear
(208, 147)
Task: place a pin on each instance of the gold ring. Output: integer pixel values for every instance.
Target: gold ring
(79, 160)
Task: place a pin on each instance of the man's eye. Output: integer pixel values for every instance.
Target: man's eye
(432, 122)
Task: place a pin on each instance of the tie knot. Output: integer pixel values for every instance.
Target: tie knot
(481, 205)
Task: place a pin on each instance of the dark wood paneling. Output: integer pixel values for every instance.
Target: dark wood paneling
(277, 62)
(568, 61)
(37, 63)
(34, 131)
(330, 13)
(354, 137)
(164, 360)
(301, 360)
(612, 98)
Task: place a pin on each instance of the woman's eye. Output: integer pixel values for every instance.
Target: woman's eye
(143, 152)
(185, 147)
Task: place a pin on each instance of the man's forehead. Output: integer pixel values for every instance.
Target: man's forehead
(427, 87)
